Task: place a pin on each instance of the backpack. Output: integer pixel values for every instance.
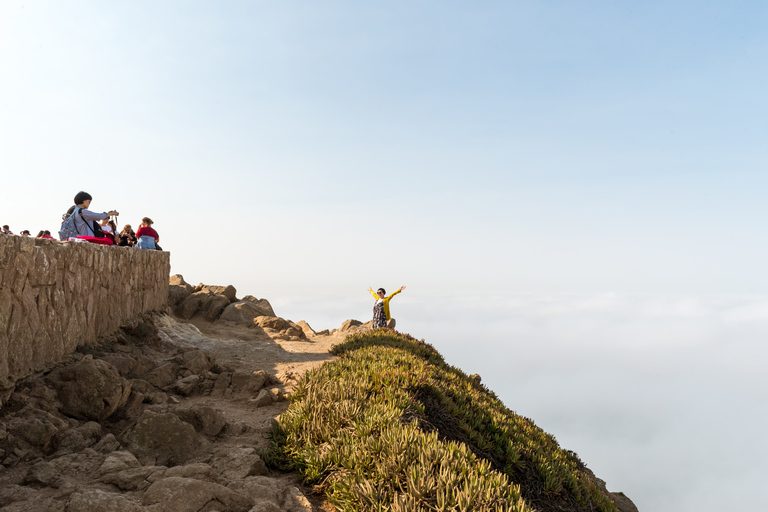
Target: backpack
(68, 228)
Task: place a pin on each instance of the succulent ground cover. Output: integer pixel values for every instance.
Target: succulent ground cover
(390, 426)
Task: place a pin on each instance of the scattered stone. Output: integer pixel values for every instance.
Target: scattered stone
(118, 461)
(206, 420)
(163, 376)
(90, 389)
(13, 493)
(247, 383)
(177, 494)
(163, 439)
(107, 444)
(77, 439)
(238, 463)
(199, 361)
(295, 501)
(96, 500)
(186, 386)
(264, 398)
(133, 479)
(43, 473)
(125, 364)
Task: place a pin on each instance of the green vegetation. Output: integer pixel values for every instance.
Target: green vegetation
(390, 426)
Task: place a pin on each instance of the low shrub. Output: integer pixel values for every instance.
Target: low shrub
(390, 426)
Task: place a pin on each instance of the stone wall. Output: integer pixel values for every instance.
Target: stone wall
(57, 296)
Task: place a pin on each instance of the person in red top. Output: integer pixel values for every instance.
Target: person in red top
(147, 236)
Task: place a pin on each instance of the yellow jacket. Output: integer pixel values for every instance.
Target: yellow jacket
(386, 301)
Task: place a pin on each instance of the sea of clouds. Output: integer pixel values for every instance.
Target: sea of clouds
(663, 397)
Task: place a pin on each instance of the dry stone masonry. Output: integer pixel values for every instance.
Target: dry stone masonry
(57, 296)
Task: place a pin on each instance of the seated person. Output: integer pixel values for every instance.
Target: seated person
(85, 218)
(147, 236)
(127, 236)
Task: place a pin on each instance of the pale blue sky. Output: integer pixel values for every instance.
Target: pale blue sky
(613, 146)
(304, 151)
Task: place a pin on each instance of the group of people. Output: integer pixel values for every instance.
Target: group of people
(81, 224)
(100, 228)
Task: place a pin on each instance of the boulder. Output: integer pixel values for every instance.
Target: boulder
(163, 439)
(272, 322)
(186, 386)
(176, 294)
(89, 389)
(350, 324)
(178, 494)
(43, 473)
(12, 493)
(125, 365)
(77, 439)
(163, 376)
(262, 304)
(197, 303)
(37, 432)
(199, 361)
(227, 291)
(178, 280)
(242, 312)
(239, 462)
(206, 420)
(133, 479)
(248, 382)
(118, 461)
(264, 398)
(304, 326)
(107, 444)
(96, 500)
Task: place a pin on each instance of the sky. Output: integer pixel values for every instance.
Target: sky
(493, 157)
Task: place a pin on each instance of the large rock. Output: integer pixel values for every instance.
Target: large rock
(96, 500)
(163, 439)
(304, 326)
(206, 420)
(90, 389)
(242, 312)
(262, 304)
(239, 462)
(227, 291)
(176, 294)
(199, 361)
(177, 494)
(248, 383)
(163, 375)
(272, 322)
(202, 303)
(349, 325)
(178, 280)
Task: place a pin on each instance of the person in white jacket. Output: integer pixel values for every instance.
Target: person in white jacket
(85, 217)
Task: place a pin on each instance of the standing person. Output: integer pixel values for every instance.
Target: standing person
(381, 316)
(26, 233)
(84, 218)
(146, 235)
(7, 230)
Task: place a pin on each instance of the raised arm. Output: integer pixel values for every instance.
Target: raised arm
(373, 293)
(396, 292)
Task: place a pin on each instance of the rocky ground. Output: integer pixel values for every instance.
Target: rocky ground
(169, 414)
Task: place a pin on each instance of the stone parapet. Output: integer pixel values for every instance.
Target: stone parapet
(57, 296)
